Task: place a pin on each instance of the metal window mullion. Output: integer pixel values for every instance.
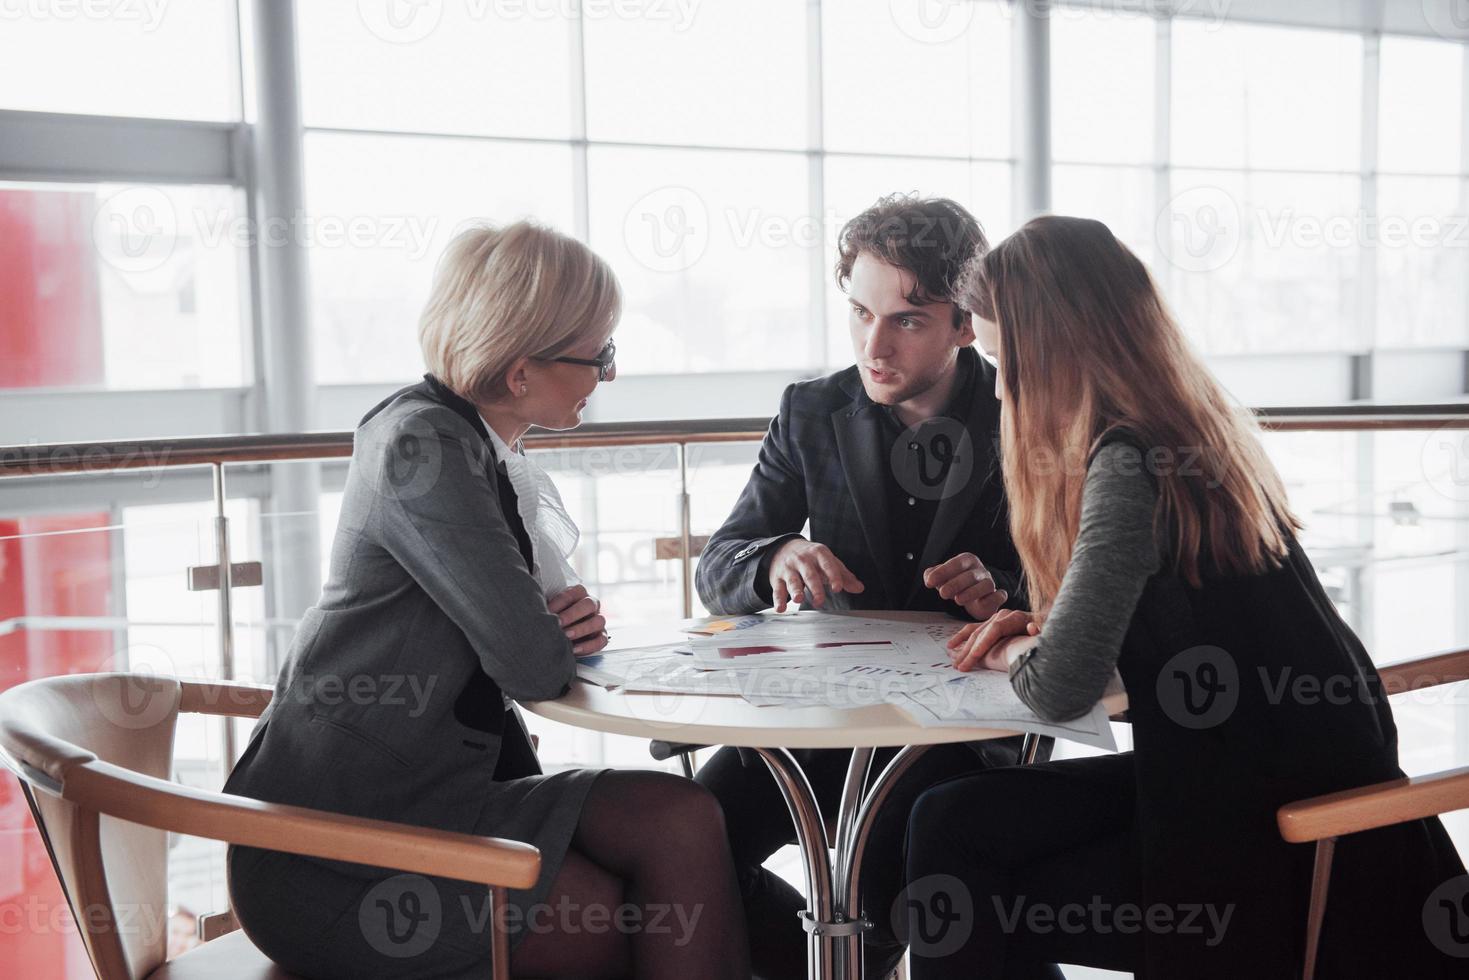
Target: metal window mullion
(580, 186)
(1461, 536)
(55, 147)
(1365, 341)
(1463, 168)
(285, 374)
(1362, 579)
(816, 178)
(1031, 119)
(1163, 138)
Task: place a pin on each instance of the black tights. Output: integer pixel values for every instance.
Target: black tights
(985, 850)
(657, 842)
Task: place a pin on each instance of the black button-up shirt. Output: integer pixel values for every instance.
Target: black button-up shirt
(920, 457)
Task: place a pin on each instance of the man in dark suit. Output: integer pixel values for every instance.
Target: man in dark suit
(894, 464)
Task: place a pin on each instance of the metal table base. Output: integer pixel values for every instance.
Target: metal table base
(833, 918)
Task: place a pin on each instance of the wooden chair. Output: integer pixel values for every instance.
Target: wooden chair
(1325, 818)
(94, 752)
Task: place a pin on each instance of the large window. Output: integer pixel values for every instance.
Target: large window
(1298, 192)
(119, 58)
(714, 189)
(1422, 235)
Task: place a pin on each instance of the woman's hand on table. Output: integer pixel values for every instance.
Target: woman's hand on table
(989, 645)
(581, 620)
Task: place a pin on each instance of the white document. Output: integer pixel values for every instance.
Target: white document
(616, 667)
(836, 685)
(816, 638)
(683, 677)
(985, 699)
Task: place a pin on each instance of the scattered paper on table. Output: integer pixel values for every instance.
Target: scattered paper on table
(984, 698)
(823, 660)
(725, 625)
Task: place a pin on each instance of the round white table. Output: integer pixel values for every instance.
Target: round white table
(833, 922)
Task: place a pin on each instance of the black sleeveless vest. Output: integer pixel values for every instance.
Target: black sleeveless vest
(1245, 694)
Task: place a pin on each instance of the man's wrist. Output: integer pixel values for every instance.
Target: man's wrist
(763, 588)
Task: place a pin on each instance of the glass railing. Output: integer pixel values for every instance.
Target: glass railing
(110, 559)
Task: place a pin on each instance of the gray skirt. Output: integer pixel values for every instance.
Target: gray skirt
(323, 921)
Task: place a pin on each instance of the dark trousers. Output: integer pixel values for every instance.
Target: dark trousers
(1013, 870)
(759, 824)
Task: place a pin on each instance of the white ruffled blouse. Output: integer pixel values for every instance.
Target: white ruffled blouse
(553, 534)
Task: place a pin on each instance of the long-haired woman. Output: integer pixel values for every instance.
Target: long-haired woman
(449, 593)
(1156, 541)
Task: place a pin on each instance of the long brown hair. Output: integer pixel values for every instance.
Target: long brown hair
(1087, 346)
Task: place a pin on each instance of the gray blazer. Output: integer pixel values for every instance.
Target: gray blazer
(390, 704)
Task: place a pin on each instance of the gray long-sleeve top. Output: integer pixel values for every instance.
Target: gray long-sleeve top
(1064, 674)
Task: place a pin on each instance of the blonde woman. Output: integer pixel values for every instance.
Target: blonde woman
(450, 593)
(1156, 540)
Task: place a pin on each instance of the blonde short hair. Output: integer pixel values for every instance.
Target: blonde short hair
(500, 294)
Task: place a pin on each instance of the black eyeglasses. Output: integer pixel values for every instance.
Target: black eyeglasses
(603, 362)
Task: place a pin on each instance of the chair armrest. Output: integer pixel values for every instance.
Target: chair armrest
(122, 793)
(662, 750)
(223, 698)
(1379, 805)
(1414, 675)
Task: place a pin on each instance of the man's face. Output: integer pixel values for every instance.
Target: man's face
(902, 349)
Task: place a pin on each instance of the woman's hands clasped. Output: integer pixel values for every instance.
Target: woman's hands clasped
(581, 620)
(988, 645)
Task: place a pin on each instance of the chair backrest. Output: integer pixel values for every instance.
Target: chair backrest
(114, 873)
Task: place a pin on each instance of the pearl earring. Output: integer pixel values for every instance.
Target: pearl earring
(522, 389)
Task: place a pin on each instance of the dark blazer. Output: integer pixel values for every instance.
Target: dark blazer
(824, 460)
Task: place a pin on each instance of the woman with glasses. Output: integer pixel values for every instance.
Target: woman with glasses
(451, 592)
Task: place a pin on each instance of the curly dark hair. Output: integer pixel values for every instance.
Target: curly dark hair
(934, 238)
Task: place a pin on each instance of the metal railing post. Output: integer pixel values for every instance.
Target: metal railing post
(226, 609)
(685, 530)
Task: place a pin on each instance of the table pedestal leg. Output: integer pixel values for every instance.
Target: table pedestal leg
(833, 921)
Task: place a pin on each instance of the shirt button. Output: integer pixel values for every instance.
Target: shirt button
(908, 555)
